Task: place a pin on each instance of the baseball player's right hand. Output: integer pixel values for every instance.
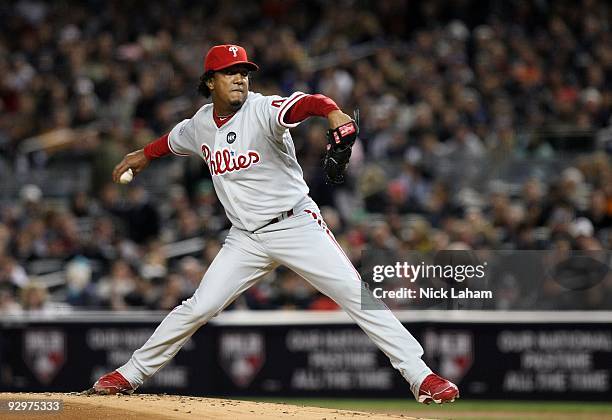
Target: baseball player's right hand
(136, 161)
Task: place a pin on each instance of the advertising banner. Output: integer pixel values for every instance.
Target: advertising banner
(487, 360)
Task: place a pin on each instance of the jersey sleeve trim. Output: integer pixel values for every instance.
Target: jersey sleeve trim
(174, 152)
(280, 119)
(180, 138)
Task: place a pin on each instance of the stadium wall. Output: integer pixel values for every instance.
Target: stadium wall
(490, 355)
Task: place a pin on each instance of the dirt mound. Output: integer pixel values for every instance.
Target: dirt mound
(158, 407)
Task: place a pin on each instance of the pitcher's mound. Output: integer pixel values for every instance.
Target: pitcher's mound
(159, 407)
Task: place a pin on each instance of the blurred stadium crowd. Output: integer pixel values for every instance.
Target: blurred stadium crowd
(484, 126)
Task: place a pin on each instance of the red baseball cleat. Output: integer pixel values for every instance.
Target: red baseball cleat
(112, 383)
(438, 390)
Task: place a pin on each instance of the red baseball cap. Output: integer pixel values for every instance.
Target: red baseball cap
(220, 57)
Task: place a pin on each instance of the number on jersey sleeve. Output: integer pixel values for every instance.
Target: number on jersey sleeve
(277, 108)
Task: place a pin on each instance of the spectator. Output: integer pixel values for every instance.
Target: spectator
(35, 300)
(11, 273)
(117, 290)
(8, 303)
(80, 292)
(141, 216)
(172, 294)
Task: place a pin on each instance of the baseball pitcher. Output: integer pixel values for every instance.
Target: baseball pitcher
(243, 137)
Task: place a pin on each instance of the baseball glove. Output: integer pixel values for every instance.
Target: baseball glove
(341, 140)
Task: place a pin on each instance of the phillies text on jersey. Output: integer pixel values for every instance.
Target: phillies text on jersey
(227, 160)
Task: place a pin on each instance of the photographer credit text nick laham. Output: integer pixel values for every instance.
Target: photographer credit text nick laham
(432, 293)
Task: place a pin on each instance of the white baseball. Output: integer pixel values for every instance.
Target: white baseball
(126, 177)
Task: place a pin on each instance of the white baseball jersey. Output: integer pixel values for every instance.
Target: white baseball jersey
(251, 158)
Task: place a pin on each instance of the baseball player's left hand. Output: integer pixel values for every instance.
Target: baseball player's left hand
(340, 137)
(337, 118)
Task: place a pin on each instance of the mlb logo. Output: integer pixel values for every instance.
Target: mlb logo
(242, 355)
(451, 351)
(44, 352)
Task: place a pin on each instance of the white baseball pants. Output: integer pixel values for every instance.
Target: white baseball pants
(303, 244)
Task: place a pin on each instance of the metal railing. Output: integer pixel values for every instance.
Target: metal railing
(284, 317)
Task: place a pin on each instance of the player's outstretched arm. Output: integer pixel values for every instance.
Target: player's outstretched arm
(136, 161)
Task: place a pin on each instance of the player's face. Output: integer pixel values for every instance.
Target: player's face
(231, 86)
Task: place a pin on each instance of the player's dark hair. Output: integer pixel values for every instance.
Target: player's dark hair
(203, 87)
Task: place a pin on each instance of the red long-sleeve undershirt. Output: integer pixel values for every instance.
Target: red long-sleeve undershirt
(157, 148)
(308, 106)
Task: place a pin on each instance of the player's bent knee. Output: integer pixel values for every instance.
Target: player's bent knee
(202, 311)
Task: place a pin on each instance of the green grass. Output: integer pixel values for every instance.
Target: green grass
(463, 409)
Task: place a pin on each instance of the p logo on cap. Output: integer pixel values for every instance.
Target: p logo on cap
(220, 57)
